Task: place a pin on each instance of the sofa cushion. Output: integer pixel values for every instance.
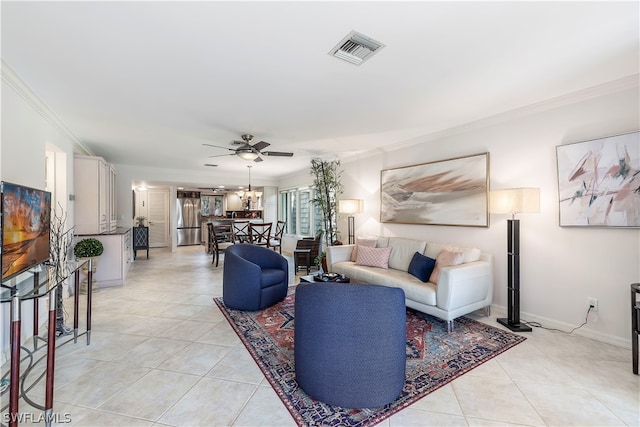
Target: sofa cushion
(403, 250)
(445, 259)
(373, 257)
(414, 289)
(421, 266)
(361, 273)
(383, 242)
(370, 243)
(469, 254)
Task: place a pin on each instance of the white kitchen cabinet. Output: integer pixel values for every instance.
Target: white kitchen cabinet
(94, 186)
(114, 262)
(111, 193)
(270, 205)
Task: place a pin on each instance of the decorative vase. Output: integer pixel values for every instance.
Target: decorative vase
(85, 271)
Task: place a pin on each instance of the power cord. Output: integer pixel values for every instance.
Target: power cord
(539, 325)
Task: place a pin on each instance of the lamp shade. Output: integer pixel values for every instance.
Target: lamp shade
(350, 206)
(515, 200)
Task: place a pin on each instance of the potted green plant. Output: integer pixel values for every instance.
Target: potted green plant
(89, 248)
(321, 261)
(140, 221)
(327, 181)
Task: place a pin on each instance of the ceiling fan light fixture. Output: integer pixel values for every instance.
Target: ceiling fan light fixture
(247, 154)
(248, 151)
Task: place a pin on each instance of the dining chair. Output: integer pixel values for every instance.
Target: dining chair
(241, 232)
(276, 239)
(260, 233)
(218, 240)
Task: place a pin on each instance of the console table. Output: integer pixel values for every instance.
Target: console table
(31, 285)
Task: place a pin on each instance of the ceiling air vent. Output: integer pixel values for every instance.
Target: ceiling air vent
(356, 48)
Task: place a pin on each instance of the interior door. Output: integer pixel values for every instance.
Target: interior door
(158, 218)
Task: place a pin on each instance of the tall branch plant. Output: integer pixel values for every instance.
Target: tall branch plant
(327, 180)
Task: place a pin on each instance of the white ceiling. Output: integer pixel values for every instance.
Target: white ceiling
(147, 83)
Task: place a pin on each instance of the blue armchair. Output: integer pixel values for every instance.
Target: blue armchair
(350, 343)
(254, 277)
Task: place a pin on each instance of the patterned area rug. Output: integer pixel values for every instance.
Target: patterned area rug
(434, 358)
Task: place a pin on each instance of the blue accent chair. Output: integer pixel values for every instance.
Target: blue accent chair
(350, 343)
(254, 277)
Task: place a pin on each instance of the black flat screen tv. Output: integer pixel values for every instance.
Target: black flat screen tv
(26, 226)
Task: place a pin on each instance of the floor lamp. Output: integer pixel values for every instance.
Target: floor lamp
(350, 206)
(513, 201)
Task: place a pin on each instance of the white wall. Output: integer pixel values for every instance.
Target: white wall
(561, 267)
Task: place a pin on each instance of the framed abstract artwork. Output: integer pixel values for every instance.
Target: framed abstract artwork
(599, 182)
(446, 192)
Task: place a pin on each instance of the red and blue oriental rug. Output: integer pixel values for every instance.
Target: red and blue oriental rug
(434, 358)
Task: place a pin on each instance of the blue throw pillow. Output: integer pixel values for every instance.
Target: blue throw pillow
(421, 266)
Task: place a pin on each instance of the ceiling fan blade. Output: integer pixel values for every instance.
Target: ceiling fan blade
(260, 145)
(211, 164)
(258, 159)
(222, 155)
(217, 146)
(276, 154)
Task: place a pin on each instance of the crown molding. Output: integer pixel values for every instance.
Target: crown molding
(13, 80)
(614, 86)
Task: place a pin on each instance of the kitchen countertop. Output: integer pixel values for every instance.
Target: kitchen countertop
(118, 232)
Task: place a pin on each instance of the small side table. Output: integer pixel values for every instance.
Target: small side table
(140, 240)
(635, 324)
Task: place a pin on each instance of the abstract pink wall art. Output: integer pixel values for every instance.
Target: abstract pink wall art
(599, 182)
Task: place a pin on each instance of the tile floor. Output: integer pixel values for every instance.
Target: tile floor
(162, 354)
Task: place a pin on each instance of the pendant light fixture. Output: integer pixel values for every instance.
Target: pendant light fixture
(247, 196)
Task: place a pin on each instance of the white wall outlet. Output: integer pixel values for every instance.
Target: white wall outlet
(593, 302)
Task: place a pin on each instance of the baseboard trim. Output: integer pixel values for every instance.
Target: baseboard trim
(585, 331)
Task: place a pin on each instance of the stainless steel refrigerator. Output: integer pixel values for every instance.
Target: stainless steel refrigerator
(188, 221)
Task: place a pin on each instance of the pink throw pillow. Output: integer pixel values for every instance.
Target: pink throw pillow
(445, 259)
(370, 243)
(373, 257)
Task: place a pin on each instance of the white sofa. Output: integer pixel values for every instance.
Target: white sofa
(461, 289)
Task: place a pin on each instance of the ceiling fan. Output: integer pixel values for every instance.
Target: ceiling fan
(247, 151)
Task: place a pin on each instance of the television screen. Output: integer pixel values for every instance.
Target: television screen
(26, 214)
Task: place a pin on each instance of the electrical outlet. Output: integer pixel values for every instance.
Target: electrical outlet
(593, 302)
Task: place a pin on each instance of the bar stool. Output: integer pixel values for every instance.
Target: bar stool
(635, 324)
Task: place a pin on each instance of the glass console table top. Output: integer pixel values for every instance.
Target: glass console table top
(24, 286)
